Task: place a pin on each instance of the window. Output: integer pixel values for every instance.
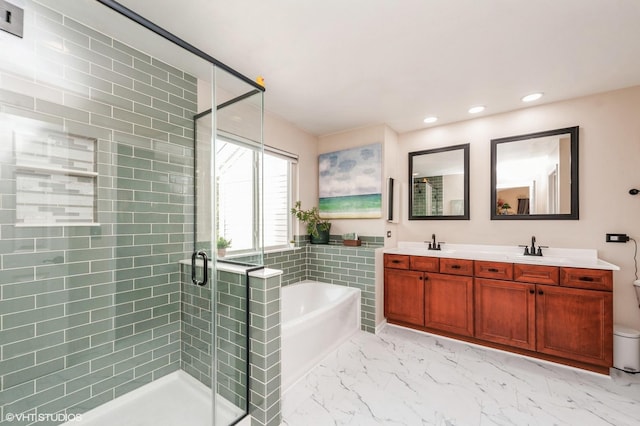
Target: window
(237, 201)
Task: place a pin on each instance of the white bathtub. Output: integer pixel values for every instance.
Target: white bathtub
(316, 319)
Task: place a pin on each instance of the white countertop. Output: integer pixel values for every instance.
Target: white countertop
(237, 269)
(573, 258)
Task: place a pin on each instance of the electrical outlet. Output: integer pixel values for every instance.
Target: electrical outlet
(617, 238)
(11, 18)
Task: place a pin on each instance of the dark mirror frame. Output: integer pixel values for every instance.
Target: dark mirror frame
(573, 215)
(465, 151)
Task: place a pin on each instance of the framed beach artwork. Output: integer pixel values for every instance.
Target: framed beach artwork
(350, 183)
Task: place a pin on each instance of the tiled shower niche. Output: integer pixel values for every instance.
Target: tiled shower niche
(56, 177)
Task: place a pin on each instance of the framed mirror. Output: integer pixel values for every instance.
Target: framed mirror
(439, 183)
(535, 176)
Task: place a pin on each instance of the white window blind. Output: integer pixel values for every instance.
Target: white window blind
(238, 195)
(277, 201)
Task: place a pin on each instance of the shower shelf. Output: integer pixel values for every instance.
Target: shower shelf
(71, 172)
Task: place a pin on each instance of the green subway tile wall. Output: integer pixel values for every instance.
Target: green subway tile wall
(264, 358)
(231, 339)
(333, 263)
(231, 333)
(90, 313)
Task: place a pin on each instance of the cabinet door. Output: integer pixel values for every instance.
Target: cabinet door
(404, 296)
(449, 303)
(575, 324)
(505, 312)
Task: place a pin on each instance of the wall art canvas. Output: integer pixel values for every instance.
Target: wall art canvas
(350, 183)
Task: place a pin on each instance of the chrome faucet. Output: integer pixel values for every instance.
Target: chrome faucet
(531, 251)
(432, 244)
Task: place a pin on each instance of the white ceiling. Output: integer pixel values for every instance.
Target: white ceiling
(333, 65)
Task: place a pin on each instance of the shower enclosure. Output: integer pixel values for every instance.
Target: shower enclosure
(116, 141)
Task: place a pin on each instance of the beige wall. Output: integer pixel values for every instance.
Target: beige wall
(390, 167)
(281, 134)
(351, 139)
(371, 227)
(609, 166)
(609, 155)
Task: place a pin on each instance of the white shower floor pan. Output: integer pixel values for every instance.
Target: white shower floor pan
(175, 399)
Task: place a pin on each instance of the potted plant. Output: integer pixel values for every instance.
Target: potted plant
(222, 244)
(317, 227)
(503, 207)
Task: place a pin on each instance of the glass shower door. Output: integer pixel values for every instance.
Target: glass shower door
(97, 216)
(227, 228)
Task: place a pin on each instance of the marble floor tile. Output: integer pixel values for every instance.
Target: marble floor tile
(404, 377)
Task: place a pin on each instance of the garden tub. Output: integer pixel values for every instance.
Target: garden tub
(316, 319)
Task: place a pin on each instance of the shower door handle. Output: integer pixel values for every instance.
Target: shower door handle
(205, 269)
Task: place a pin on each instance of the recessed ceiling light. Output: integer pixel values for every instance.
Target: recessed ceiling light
(532, 97)
(431, 119)
(476, 109)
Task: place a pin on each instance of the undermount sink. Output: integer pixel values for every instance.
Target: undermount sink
(444, 251)
(537, 259)
(427, 252)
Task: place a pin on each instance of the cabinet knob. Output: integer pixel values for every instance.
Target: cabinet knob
(540, 292)
(588, 279)
(532, 291)
(395, 261)
(456, 266)
(492, 270)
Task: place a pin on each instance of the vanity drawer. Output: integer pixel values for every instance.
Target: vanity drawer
(592, 279)
(424, 263)
(396, 261)
(537, 274)
(456, 266)
(496, 270)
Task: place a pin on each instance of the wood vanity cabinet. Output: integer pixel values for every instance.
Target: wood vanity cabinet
(577, 323)
(448, 297)
(417, 293)
(505, 312)
(403, 291)
(557, 313)
(448, 302)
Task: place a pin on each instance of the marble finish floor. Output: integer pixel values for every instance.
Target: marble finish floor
(404, 377)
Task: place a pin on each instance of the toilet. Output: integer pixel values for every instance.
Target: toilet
(626, 349)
